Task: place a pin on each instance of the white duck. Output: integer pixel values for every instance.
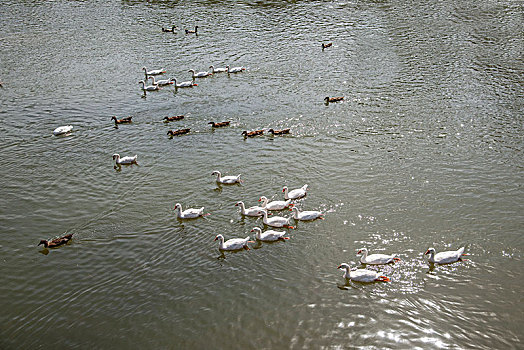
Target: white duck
(296, 193)
(232, 244)
(268, 235)
(276, 221)
(124, 160)
(275, 205)
(148, 87)
(61, 130)
(200, 74)
(446, 257)
(190, 213)
(228, 180)
(184, 84)
(306, 215)
(235, 69)
(161, 82)
(376, 259)
(217, 70)
(153, 72)
(251, 211)
(363, 275)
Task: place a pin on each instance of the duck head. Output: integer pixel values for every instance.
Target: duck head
(44, 242)
(430, 251)
(362, 251)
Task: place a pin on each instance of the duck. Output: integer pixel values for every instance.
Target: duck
(251, 211)
(190, 213)
(148, 87)
(252, 133)
(188, 31)
(217, 70)
(200, 74)
(219, 125)
(306, 215)
(275, 205)
(296, 193)
(172, 30)
(376, 259)
(279, 132)
(326, 45)
(269, 235)
(57, 241)
(125, 120)
(184, 84)
(163, 82)
(362, 275)
(235, 69)
(153, 72)
(276, 221)
(333, 99)
(446, 257)
(233, 243)
(228, 180)
(171, 119)
(178, 132)
(61, 130)
(124, 160)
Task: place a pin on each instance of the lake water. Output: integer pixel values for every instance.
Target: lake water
(426, 150)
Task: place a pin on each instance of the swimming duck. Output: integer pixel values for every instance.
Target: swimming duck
(192, 31)
(275, 205)
(376, 259)
(172, 30)
(228, 180)
(153, 72)
(279, 132)
(333, 99)
(252, 133)
(125, 120)
(190, 213)
(200, 74)
(446, 257)
(217, 70)
(276, 221)
(149, 87)
(178, 132)
(326, 45)
(296, 193)
(233, 243)
(163, 82)
(306, 215)
(251, 211)
(269, 235)
(235, 69)
(61, 130)
(219, 125)
(170, 119)
(363, 275)
(57, 241)
(125, 160)
(184, 84)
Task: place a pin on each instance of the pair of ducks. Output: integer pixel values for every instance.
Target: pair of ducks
(172, 30)
(261, 132)
(214, 70)
(242, 243)
(364, 275)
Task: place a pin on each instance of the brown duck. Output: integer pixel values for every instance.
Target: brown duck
(172, 30)
(280, 132)
(178, 132)
(125, 120)
(192, 31)
(57, 241)
(326, 45)
(333, 99)
(170, 119)
(219, 125)
(253, 133)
